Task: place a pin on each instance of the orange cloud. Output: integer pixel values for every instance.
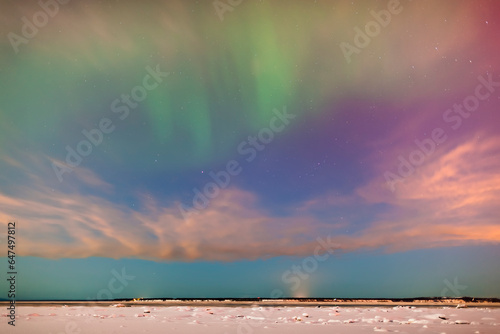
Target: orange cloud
(451, 201)
(54, 223)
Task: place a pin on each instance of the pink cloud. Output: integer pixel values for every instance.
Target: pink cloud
(54, 223)
(451, 201)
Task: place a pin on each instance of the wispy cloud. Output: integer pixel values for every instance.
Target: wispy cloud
(55, 223)
(452, 200)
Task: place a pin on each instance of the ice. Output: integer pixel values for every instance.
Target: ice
(269, 320)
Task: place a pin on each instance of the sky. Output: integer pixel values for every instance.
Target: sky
(203, 149)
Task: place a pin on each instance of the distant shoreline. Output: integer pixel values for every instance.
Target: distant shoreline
(292, 302)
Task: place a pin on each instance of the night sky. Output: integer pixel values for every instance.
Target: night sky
(251, 148)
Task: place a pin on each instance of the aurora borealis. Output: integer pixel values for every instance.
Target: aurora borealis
(206, 149)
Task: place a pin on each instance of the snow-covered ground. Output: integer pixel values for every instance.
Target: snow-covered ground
(250, 320)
